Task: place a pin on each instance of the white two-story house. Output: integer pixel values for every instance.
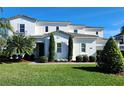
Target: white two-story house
(86, 39)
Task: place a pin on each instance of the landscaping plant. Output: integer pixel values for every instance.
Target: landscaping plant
(70, 48)
(79, 58)
(43, 59)
(92, 59)
(19, 45)
(111, 58)
(85, 58)
(51, 48)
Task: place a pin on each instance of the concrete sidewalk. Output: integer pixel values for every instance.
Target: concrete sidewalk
(49, 63)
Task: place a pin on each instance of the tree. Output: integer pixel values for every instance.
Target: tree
(2, 45)
(19, 45)
(122, 30)
(111, 57)
(70, 48)
(51, 48)
(5, 25)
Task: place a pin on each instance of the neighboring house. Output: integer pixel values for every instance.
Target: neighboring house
(86, 40)
(120, 38)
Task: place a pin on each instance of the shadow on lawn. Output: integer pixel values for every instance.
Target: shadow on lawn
(91, 69)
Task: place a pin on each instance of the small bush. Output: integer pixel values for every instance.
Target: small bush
(85, 58)
(79, 58)
(92, 59)
(29, 57)
(43, 59)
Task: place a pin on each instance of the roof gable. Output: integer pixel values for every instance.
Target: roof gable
(24, 17)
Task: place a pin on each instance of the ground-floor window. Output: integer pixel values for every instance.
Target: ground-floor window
(59, 47)
(83, 47)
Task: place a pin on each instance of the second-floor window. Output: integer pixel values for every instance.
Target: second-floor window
(57, 28)
(75, 31)
(97, 33)
(22, 28)
(46, 29)
(59, 47)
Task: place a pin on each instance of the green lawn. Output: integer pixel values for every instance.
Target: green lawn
(55, 75)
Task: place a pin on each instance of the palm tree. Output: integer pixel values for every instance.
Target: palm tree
(2, 45)
(5, 25)
(19, 45)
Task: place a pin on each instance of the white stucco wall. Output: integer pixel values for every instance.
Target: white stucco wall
(29, 25)
(59, 38)
(90, 47)
(36, 28)
(40, 29)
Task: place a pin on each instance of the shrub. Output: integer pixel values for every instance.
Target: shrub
(51, 48)
(85, 58)
(43, 59)
(92, 59)
(98, 55)
(29, 57)
(111, 57)
(19, 44)
(122, 53)
(79, 58)
(70, 48)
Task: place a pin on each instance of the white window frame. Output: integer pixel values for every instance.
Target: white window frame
(21, 28)
(76, 31)
(46, 29)
(57, 28)
(97, 33)
(59, 47)
(83, 48)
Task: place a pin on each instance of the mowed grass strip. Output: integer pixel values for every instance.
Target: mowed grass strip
(26, 74)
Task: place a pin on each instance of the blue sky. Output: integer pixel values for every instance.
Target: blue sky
(110, 18)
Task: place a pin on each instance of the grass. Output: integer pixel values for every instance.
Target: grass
(55, 75)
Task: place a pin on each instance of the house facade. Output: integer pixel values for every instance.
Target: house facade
(120, 39)
(86, 40)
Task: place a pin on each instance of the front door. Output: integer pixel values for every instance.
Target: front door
(40, 47)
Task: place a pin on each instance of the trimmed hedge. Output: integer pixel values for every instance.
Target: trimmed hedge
(85, 58)
(43, 59)
(79, 58)
(92, 59)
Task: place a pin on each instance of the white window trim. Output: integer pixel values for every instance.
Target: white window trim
(59, 47)
(81, 47)
(20, 28)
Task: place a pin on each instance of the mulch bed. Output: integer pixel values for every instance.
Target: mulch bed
(120, 73)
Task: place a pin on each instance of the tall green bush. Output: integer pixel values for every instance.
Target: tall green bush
(111, 57)
(70, 48)
(98, 58)
(51, 48)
